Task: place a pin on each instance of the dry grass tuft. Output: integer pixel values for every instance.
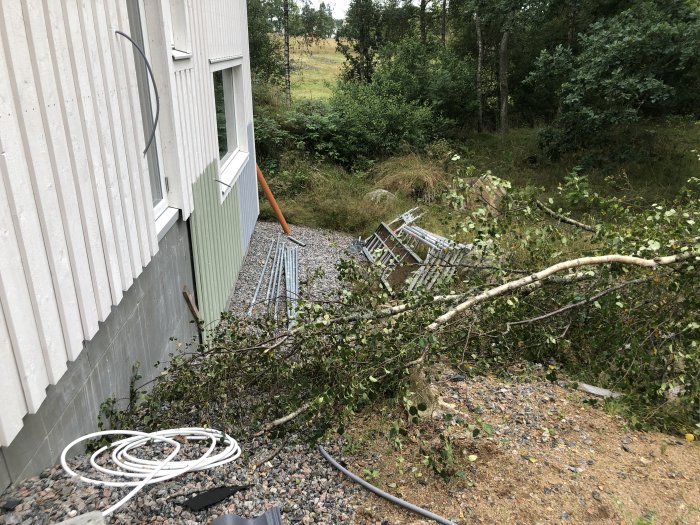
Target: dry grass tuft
(412, 176)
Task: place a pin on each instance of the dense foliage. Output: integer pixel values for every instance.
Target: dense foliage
(353, 350)
(640, 62)
(430, 81)
(359, 122)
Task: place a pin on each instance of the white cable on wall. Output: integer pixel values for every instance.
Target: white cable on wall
(141, 472)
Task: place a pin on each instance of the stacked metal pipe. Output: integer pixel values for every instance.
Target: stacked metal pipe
(283, 265)
(291, 271)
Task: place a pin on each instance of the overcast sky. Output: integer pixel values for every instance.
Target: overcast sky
(339, 6)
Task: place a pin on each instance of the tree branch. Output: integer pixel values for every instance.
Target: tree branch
(556, 268)
(563, 218)
(281, 421)
(571, 306)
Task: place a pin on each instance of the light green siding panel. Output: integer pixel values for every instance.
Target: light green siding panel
(217, 243)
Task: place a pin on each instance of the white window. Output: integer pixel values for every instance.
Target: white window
(176, 12)
(159, 183)
(230, 125)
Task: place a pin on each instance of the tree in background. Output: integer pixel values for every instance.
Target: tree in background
(265, 50)
(317, 23)
(359, 39)
(640, 62)
(582, 66)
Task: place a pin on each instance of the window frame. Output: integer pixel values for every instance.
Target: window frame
(232, 164)
(177, 16)
(147, 100)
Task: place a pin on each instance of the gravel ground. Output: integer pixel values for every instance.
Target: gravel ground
(298, 479)
(317, 274)
(555, 457)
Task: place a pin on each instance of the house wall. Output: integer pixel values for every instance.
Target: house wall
(217, 244)
(86, 287)
(221, 227)
(139, 329)
(76, 219)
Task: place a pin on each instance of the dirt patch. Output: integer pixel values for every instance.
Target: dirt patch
(543, 454)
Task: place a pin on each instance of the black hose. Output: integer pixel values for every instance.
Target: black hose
(155, 88)
(385, 495)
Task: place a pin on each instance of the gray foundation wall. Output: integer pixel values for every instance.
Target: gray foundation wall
(138, 329)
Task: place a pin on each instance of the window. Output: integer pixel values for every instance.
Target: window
(146, 98)
(230, 124)
(176, 11)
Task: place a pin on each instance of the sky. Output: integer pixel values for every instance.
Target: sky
(339, 6)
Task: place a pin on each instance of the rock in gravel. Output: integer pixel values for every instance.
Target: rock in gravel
(11, 503)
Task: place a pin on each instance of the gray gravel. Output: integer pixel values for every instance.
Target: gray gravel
(317, 261)
(298, 479)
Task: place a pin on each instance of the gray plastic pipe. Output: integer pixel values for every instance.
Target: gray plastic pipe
(385, 495)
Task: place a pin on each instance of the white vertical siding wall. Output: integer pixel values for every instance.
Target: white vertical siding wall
(218, 30)
(76, 219)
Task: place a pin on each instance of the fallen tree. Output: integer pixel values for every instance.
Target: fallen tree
(629, 323)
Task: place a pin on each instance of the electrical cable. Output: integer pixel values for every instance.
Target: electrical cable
(397, 501)
(140, 472)
(155, 88)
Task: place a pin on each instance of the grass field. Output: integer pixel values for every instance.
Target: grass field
(315, 68)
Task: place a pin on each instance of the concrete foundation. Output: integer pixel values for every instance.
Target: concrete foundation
(139, 329)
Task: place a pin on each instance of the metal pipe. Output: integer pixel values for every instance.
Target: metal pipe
(297, 241)
(262, 275)
(275, 298)
(271, 199)
(272, 271)
(397, 501)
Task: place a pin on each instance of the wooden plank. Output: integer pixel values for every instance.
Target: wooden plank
(96, 275)
(87, 110)
(20, 321)
(101, 103)
(189, 300)
(32, 197)
(130, 115)
(14, 407)
(185, 130)
(80, 318)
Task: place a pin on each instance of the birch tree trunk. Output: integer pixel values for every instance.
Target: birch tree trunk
(503, 77)
(287, 65)
(479, 65)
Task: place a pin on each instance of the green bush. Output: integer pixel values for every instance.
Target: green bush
(431, 75)
(629, 66)
(360, 122)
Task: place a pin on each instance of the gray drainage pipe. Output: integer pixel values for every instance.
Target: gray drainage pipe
(385, 495)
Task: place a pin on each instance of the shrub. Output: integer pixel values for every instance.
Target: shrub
(430, 75)
(361, 122)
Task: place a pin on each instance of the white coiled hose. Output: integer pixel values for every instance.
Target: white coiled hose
(141, 472)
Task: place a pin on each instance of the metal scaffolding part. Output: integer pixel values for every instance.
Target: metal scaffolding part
(275, 276)
(291, 270)
(413, 256)
(262, 276)
(282, 269)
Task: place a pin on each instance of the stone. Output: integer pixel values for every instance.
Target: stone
(11, 503)
(379, 196)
